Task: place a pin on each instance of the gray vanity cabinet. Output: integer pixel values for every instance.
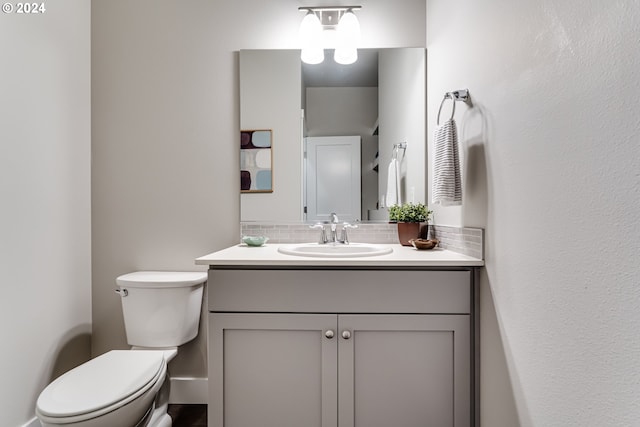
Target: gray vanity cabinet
(404, 371)
(272, 370)
(336, 358)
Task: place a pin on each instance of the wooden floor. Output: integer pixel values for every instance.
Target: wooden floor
(188, 415)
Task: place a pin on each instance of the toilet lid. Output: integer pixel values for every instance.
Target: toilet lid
(161, 279)
(101, 382)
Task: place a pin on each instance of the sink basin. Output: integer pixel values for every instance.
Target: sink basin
(330, 250)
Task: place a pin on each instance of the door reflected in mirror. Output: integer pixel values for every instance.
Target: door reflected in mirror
(378, 101)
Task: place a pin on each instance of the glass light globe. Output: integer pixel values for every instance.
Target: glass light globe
(348, 39)
(311, 39)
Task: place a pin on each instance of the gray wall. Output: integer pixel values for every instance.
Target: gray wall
(402, 119)
(165, 107)
(45, 232)
(165, 147)
(551, 170)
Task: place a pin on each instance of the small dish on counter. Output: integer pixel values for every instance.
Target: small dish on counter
(254, 240)
(424, 243)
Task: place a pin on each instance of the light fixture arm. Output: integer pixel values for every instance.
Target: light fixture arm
(328, 8)
(329, 15)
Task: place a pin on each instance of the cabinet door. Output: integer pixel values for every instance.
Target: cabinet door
(404, 371)
(272, 370)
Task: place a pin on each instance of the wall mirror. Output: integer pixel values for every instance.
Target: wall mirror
(333, 132)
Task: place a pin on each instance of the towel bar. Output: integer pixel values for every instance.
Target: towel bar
(460, 95)
(456, 95)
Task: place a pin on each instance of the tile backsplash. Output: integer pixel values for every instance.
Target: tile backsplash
(464, 240)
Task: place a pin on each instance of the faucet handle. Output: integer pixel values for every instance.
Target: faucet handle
(345, 226)
(323, 233)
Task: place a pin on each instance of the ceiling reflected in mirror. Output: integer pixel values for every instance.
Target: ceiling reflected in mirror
(363, 73)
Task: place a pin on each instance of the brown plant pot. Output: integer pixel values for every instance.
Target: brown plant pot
(408, 231)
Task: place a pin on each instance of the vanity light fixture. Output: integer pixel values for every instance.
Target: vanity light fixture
(334, 27)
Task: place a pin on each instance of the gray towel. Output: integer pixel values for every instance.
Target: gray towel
(446, 186)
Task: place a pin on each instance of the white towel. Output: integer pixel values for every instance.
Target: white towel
(446, 186)
(393, 184)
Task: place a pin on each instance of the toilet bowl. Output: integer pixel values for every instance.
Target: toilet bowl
(115, 389)
(130, 388)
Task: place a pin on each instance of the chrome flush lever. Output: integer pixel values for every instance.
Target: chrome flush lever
(122, 292)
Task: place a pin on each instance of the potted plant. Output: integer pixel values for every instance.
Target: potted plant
(409, 217)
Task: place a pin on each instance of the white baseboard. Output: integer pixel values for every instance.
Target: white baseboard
(33, 423)
(188, 390)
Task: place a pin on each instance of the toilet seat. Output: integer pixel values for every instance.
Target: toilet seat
(101, 385)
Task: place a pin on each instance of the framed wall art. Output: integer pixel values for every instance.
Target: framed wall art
(256, 161)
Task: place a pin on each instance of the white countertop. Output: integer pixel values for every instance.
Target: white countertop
(402, 256)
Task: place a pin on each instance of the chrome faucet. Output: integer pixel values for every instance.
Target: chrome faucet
(333, 238)
(334, 227)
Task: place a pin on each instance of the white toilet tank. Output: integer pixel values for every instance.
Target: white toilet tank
(161, 308)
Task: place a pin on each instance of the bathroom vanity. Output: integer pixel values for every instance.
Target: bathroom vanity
(370, 341)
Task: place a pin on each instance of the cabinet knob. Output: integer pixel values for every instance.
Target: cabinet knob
(346, 334)
(329, 334)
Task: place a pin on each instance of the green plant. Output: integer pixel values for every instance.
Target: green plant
(409, 212)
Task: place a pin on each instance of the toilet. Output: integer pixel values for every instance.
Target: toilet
(130, 388)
